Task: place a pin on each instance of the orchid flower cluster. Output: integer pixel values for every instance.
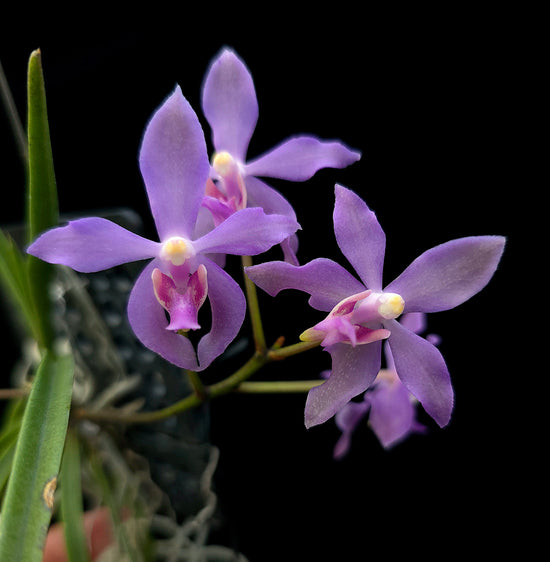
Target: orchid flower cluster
(207, 208)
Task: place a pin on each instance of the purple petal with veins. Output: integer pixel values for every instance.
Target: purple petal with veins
(298, 158)
(228, 307)
(174, 164)
(353, 371)
(92, 244)
(449, 274)
(229, 104)
(326, 281)
(423, 371)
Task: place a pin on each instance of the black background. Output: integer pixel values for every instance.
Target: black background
(436, 103)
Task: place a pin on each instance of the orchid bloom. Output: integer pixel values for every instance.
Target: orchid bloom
(363, 313)
(231, 108)
(391, 407)
(174, 164)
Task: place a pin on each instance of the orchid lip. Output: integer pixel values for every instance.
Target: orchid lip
(181, 302)
(356, 319)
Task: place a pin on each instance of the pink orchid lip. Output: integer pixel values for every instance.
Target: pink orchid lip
(340, 326)
(181, 301)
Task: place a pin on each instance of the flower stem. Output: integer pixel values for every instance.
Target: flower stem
(238, 377)
(118, 416)
(195, 381)
(212, 391)
(277, 354)
(254, 309)
(277, 387)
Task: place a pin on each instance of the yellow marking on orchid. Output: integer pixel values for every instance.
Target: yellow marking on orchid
(175, 250)
(223, 163)
(390, 305)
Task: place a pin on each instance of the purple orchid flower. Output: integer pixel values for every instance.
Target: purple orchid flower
(362, 312)
(231, 108)
(175, 168)
(391, 407)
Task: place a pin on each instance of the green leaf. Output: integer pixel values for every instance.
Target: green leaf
(27, 507)
(42, 208)
(71, 500)
(42, 212)
(11, 426)
(13, 276)
(8, 440)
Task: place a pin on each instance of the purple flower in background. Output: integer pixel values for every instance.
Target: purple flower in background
(231, 108)
(175, 168)
(392, 413)
(363, 313)
(391, 407)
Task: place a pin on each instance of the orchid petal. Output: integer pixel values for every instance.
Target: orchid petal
(449, 274)
(218, 209)
(392, 415)
(205, 223)
(228, 306)
(229, 104)
(273, 203)
(414, 321)
(347, 419)
(270, 200)
(174, 165)
(326, 281)
(359, 236)
(298, 158)
(390, 364)
(92, 244)
(247, 232)
(422, 369)
(289, 246)
(351, 414)
(148, 321)
(353, 371)
(343, 445)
